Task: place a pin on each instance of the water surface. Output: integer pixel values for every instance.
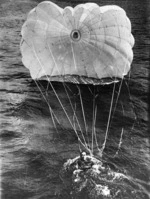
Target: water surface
(33, 150)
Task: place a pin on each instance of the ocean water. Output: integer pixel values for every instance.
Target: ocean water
(33, 149)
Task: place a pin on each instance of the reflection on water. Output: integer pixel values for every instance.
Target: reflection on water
(33, 151)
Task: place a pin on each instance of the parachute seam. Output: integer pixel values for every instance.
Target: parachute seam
(87, 70)
(98, 52)
(52, 17)
(107, 45)
(114, 37)
(83, 22)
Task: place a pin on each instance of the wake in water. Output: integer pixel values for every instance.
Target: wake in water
(91, 178)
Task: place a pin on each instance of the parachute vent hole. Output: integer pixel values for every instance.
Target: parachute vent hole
(75, 35)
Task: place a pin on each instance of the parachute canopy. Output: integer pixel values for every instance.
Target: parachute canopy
(85, 44)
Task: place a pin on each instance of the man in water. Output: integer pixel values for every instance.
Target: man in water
(85, 162)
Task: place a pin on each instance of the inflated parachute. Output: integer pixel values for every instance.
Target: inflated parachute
(85, 44)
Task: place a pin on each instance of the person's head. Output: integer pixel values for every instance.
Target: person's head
(83, 154)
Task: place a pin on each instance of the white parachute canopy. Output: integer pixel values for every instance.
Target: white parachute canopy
(85, 44)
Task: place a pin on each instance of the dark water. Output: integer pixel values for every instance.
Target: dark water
(32, 150)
